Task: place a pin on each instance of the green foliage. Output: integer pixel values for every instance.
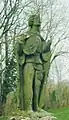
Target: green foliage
(11, 106)
(11, 103)
(3, 118)
(9, 79)
(57, 94)
(54, 96)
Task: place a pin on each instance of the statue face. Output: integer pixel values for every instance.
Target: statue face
(31, 20)
(37, 20)
(34, 20)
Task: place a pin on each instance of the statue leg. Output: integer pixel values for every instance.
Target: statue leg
(21, 87)
(38, 80)
(28, 81)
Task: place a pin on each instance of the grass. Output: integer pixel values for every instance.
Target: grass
(3, 118)
(60, 113)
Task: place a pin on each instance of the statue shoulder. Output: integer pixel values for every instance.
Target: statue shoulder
(20, 41)
(42, 39)
(21, 38)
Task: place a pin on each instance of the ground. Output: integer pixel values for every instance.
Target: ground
(60, 113)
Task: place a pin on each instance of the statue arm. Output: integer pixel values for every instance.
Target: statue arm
(19, 49)
(46, 52)
(20, 56)
(46, 47)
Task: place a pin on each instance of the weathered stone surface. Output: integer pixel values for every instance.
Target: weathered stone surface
(35, 118)
(32, 54)
(43, 115)
(13, 118)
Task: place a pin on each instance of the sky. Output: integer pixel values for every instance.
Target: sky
(66, 2)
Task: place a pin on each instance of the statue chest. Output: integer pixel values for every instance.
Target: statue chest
(33, 45)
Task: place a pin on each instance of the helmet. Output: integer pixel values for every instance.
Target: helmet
(37, 21)
(34, 20)
(31, 20)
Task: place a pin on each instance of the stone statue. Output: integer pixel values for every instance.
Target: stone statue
(31, 54)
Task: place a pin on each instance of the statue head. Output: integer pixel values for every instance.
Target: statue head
(34, 20)
(31, 20)
(37, 21)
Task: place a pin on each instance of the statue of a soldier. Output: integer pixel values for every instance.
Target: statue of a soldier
(31, 73)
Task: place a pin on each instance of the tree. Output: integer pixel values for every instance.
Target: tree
(10, 15)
